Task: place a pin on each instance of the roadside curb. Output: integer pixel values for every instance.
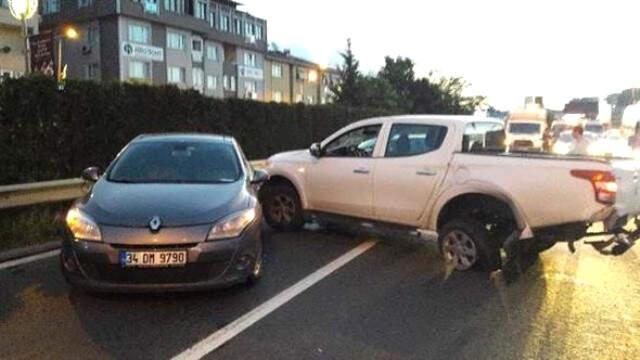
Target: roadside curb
(28, 251)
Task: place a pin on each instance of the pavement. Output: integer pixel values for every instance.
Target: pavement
(395, 300)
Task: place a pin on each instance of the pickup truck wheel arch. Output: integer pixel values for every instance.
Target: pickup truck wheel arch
(494, 214)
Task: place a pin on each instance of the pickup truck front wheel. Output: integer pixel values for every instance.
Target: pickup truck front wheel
(465, 245)
(282, 207)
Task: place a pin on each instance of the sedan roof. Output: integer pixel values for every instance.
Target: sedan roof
(173, 137)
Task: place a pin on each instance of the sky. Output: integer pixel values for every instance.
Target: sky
(506, 49)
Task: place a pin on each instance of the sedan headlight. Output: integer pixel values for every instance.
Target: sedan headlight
(82, 226)
(233, 225)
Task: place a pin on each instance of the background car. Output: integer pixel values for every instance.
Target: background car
(612, 143)
(172, 212)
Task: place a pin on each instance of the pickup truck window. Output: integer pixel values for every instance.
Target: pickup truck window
(483, 137)
(359, 142)
(410, 139)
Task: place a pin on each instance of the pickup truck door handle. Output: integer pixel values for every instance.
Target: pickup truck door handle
(361, 170)
(426, 172)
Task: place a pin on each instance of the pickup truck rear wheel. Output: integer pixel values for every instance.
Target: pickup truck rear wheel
(282, 207)
(465, 245)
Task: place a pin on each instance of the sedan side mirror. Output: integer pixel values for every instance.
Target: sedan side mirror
(316, 150)
(260, 177)
(91, 174)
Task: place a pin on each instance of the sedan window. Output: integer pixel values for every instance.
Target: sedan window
(177, 162)
(410, 140)
(356, 143)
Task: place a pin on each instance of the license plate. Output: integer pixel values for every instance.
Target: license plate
(153, 258)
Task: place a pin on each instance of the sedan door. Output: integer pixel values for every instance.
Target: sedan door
(341, 180)
(406, 177)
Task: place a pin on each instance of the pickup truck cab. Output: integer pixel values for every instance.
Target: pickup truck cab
(449, 178)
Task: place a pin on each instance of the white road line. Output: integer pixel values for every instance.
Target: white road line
(28, 259)
(220, 337)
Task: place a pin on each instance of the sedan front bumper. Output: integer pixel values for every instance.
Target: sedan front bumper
(95, 266)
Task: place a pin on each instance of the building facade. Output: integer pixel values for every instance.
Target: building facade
(207, 45)
(12, 51)
(290, 79)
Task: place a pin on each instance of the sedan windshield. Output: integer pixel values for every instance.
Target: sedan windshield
(524, 128)
(177, 162)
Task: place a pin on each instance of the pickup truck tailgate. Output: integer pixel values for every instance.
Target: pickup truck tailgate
(627, 173)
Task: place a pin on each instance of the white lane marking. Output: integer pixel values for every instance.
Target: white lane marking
(221, 336)
(28, 259)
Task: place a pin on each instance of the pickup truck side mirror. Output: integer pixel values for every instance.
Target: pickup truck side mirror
(91, 174)
(316, 150)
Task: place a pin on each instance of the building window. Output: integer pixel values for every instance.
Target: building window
(151, 6)
(92, 35)
(201, 9)
(198, 79)
(212, 53)
(175, 41)
(91, 71)
(212, 82)
(139, 34)
(250, 59)
(237, 26)
(196, 45)
(251, 89)
(229, 83)
(212, 19)
(298, 98)
(276, 70)
(175, 75)
(310, 100)
(84, 3)
(51, 6)
(224, 23)
(176, 6)
(259, 32)
(139, 70)
(277, 96)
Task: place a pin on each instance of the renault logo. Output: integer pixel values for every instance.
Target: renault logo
(155, 223)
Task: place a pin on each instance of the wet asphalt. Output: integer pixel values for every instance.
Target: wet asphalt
(396, 301)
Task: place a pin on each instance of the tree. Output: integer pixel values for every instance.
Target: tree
(378, 93)
(346, 92)
(399, 73)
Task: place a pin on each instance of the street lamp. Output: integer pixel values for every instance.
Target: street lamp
(24, 10)
(68, 32)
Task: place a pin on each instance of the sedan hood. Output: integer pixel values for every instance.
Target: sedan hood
(135, 205)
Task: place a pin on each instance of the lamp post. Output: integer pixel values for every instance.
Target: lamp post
(69, 32)
(24, 10)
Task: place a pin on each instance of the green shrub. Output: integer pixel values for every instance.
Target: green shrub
(47, 133)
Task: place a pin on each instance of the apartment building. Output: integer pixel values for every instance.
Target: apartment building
(291, 79)
(207, 45)
(12, 59)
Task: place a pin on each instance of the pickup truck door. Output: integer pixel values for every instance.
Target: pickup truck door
(341, 180)
(412, 166)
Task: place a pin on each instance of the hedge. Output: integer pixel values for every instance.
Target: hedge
(47, 133)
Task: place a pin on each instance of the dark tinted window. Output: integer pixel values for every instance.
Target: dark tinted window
(177, 162)
(409, 140)
(356, 143)
(524, 128)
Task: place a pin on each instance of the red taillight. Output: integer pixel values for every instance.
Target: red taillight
(604, 184)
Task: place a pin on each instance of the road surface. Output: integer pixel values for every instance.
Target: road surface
(393, 301)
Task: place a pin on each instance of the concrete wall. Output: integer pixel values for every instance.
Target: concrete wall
(11, 36)
(273, 84)
(79, 54)
(242, 80)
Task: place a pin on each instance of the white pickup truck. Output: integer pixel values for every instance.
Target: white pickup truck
(449, 178)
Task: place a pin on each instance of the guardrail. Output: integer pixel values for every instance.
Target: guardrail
(52, 191)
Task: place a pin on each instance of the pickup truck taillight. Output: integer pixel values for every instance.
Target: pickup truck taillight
(604, 184)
